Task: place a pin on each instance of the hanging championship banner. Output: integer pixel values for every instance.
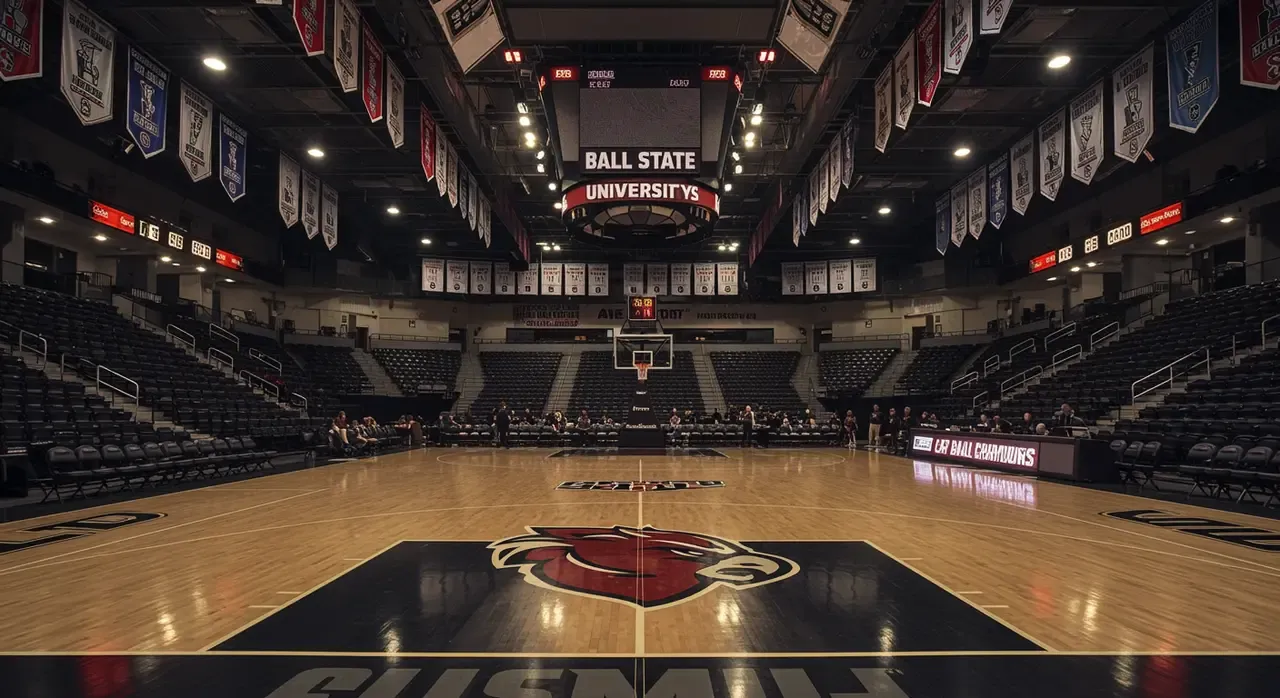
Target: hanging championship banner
(147, 98)
(1192, 49)
(504, 280)
(456, 274)
(451, 165)
(797, 215)
(815, 195)
(833, 168)
(942, 223)
(998, 191)
(815, 278)
(1131, 113)
(727, 278)
(929, 54)
(993, 15)
(657, 280)
(1052, 154)
(552, 276)
(804, 211)
(463, 181)
(1086, 133)
(329, 216)
(864, 275)
(310, 204)
(575, 279)
(884, 107)
(597, 280)
(824, 184)
(681, 279)
(472, 28)
(633, 279)
(959, 213)
(704, 279)
(904, 82)
(442, 163)
(486, 221)
(290, 189)
(427, 138)
(480, 275)
(308, 18)
(977, 202)
(371, 75)
(792, 279)
(433, 275)
(233, 154)
(809, 28)
(847, 136)
(473, 193)
(840, 273)
(959, 34)
(22, 40)
(395, 102)
(88, 63)
(195, 128)
(527, 281)
(1022, 159)
(346, 26)
(1260, 44)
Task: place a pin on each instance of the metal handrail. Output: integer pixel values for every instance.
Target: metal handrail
(1065, 331)
(183, 337)
(221, 357)
(99, 383)
(270, 361)
(41, 350)
(1019, 380)
(1103, 335)
(264, 385)
(1264, 329)
(221, 333)
(962, 381)
(990, 366)
(1134, 393)
(1066, 355)
(981, 398)
(304, 400)
(1029, 344)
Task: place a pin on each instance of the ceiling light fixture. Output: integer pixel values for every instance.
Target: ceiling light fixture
(756, 119)
(1059, 61)
(555, 248)
(722, 248)
(46, 220)
(166, 258)
(200, 269)
(736, 157)
(528, 135)
(737, 169)
(1091, 264)
(728, 186)
(855, 241)
(557, 205)
(733, 247)
(425, 241)
(1190, 232)
(1052, 278)
(963, 151)
(885, 210)
(541, 168)
(100, 237)
(1075, 269)
(522, 107)
(1227, 219)
(749, 136)
(1162, 241)
(552, 186)
(176, 264)
(315, 152)
(541, 154)
(230, 281)
(524, 121)
(393, 210)
(214, 63)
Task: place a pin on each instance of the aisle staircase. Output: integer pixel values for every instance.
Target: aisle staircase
(806, 380)
(887, 382)
(377, 375)
(708, 384)
(470, 380)
(562, 387)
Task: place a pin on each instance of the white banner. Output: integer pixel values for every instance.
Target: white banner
(704, 279)
(464, 179)
(793, 278)
(884, 108)
(656, 280)
(442, 162)
(88, 63)
(815, 277)
(1022, 157)
(840, 272)
(290, 186)
(798, 213)
(486, 221)
(809, 28)
(552, 279)
(452, 170)
(833, 168)
(1132, 112)
(527, 281)
(815, 192)
(395, 103)
(824, 183)
(473, 193)
(195, 132)
(457, 275)
(433, 275)
(957, 34)
(310, 204)
(904, 82)
(597, 279)
(993, 15)
(1086, 134)
(504, 281)
(346, 44)
(575, 279)
(681, 279)
(727, 278)
(481, 273)
(633, 279)
(959, 213)
(329, 216)
(471, 27)
(1053, 154)
(977, 202)
(864, 275)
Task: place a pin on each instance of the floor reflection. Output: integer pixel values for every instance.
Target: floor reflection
(1006, 488)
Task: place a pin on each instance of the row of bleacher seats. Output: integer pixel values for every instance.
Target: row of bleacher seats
(601, 389)
(758, 378)
(931, 368)
(522, 379)
(1210, 466)
(415, 370)
(333, 367)
(607, 435)
(849, 372)
(35, 408)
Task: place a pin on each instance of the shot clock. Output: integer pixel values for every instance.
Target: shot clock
(642, 308)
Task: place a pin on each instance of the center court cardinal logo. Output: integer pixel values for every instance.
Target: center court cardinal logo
(645, 567)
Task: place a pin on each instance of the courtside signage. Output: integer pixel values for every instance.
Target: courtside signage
(979, 451)
(1163, 218)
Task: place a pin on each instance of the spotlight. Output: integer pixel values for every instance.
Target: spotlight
(166, 258)
(722, 248)
(201, 269)
(425, 241)
(1227, 219)
(736, 157)
(749, 137)
(552, 186)
(728, 186)
(733, 247)
(1052, 278)
(737, 169)
(1091, 264)
(393, 210)
(522, 107)
(963, 151)
(529, 136)
(756, 119)
(315, 152)
(214, 63)
(557, 205)
(176, 264)
(1075, 269)
(541, 168)
(1162, 241)
(524, 121)
(1059, 61)
(100, 237)
(46, 220)
(541, 154)
(885, 210)
(1190, 232)
(555, 248)
(855, 241)
(230, 281)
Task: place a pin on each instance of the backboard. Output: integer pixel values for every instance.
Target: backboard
(655, 349)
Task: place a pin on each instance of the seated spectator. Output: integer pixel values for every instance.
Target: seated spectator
(607, 420)
(716, 417)
(674, 419)
(984, 423)
(527, 417)
(929, 420)
(339, 428)
(1000, 425)
(1027, 425)
(584, 421)
(1066, 417)
(1042, 430)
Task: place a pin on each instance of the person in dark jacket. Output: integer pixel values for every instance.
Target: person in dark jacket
(502, 424)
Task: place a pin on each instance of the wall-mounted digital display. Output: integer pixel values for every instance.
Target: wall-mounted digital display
(642, 308)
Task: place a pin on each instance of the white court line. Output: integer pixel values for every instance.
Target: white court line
(963, 593)
(910, 559)
(263, 606)
(289, 593)
(993, 605)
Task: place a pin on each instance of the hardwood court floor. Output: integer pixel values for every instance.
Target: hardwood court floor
(953, 559)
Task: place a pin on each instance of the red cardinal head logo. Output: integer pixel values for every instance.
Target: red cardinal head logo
(646, 567)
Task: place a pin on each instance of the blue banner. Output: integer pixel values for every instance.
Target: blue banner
(998, 191)
(148, 98)
(1193, 68)
(942, 223)
(233, 151)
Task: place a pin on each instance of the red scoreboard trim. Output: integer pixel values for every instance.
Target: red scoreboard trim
(1163, 218)
(640, 191)
(229, 260)
(716, 73)
(112, 217)
(1044, 261)
(564, 73)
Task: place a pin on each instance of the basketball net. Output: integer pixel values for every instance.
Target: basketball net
(642, 372)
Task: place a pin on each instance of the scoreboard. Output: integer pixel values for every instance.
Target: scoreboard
(632, 77)
(642, 308)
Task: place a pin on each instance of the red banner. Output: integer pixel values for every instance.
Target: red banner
(1163, 218)
(371, 75)
(308, 17)
(229, 260)
(640, 191)
(112, 217)
(929, 54)
(1044, 261)
(20, 45)
(1260, 44)
(428, 128)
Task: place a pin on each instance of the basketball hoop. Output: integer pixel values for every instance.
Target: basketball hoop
(642, 371)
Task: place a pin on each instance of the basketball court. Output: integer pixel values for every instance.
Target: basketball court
(435, 572)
